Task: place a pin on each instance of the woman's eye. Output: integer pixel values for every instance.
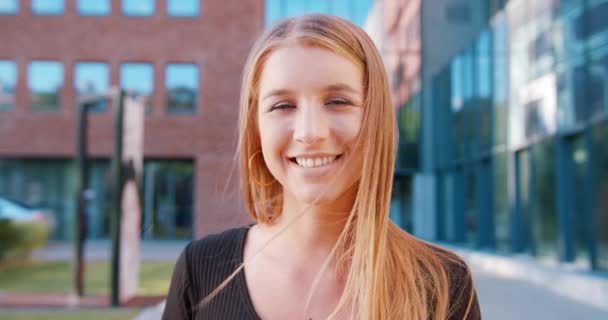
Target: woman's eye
(281, 106)
(338, 101)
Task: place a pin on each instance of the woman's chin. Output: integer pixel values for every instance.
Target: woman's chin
(314, 197)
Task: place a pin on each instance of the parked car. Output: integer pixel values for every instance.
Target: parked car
(21, 212)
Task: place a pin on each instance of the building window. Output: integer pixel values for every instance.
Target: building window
(183, 8)
(48, 6)
(94, 7)
(9, 6)
(45, 79)
(600, 147)
(8, 81)
(168, 199)
(354, 10)
(138, 7)
(138, 80)
(181, 85)
(91, 78)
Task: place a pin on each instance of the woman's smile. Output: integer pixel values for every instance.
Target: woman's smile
(316, 166)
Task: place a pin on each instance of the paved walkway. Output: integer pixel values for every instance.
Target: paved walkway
(503, 298)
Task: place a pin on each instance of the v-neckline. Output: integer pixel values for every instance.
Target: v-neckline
(240, 277)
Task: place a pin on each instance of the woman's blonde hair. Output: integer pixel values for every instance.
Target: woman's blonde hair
(391, 274)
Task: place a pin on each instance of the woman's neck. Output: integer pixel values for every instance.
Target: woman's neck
(304, 231)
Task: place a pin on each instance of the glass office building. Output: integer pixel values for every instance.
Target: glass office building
(520, 133)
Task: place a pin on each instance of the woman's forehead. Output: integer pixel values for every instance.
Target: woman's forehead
(297, 67)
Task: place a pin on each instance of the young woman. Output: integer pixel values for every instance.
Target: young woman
(316, 149)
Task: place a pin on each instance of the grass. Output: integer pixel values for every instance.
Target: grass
(106, 314)
(57, 277)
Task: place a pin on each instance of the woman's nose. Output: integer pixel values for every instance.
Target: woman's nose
(311, 124)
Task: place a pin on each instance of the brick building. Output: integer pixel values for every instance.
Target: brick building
(186, 56)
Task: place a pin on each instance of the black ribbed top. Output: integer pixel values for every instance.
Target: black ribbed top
(204, 264)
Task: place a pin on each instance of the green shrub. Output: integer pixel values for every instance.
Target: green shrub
(19, 239)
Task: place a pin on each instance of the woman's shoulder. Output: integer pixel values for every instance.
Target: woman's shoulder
(463, 296)
(225, 244)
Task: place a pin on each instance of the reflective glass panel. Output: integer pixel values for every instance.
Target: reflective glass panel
(93, 7)
(181, 85)
(600, 139)
(48, 6)
(45, 79)
(9, 6)
(91, 78)
(8, 81)
(138, 7)
(183, 8)
(137, 79)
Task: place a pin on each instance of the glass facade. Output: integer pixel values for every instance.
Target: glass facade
(42, 183)
(94, 7)
(354, 10)
(181, 85)
(45, 80)
(167, 194)
(138, 79)
(138, 7)
(600, 196)
(9, 6)
(183, 8)
(521, 134)
(8, 81)
(91, 78)
(48, 6)
(168, 188)
(408, 120)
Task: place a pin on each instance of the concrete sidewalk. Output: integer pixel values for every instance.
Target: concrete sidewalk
(567, 281)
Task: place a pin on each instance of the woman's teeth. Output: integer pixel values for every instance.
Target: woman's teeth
(314, 162)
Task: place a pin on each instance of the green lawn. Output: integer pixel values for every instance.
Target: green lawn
(57, 277)
(106, 314)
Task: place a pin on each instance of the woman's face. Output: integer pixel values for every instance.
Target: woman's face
(309, 115)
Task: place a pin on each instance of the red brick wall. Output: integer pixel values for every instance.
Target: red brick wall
(217, 41)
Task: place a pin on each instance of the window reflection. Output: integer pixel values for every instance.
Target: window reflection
(598, 86)
(91, 78)
(168, 199)
(502, 230)
(181, 84)
(183, 8)
(138, 7)
(48, 6)
(600, 139)
(8, 81)
(355, 11)
(544, 211)
(137, 79)
(9, 6)
(45, 79)
(94, 7)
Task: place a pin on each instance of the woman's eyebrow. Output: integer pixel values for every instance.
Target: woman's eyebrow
(342, 87)
(329, 88)
(276, 92)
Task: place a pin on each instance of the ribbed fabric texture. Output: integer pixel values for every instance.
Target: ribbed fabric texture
(203, 266)
(206, 263)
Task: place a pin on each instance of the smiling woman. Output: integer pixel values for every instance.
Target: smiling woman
(316, 150)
